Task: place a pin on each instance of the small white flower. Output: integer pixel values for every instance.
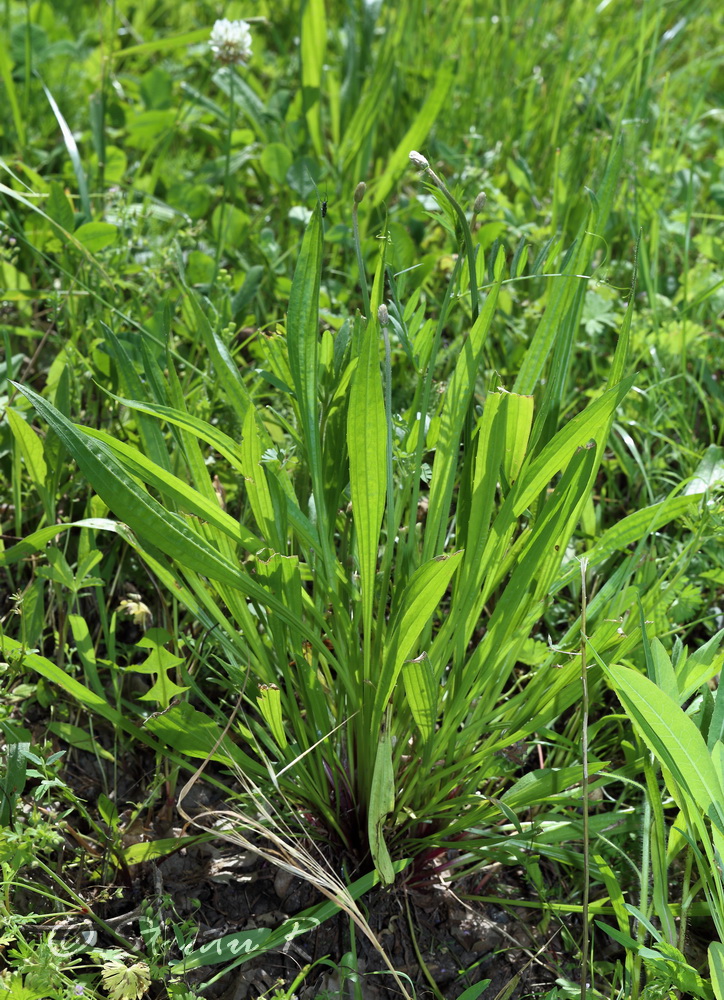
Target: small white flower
(419, 160)
(230, 41)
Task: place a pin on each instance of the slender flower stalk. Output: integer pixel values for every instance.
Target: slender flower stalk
(230, 43)
(423, 164)
(359, 193)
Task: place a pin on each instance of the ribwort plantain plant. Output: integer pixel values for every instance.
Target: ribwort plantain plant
(373, 618)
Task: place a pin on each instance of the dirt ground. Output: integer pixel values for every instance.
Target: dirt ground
(220, 889)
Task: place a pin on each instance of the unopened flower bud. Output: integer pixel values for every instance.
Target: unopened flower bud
(359, 192)
(383, 315)
(479, 203)
(419, 160)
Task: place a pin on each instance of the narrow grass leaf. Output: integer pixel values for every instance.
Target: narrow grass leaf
(224, 366)
(31, 448)
(701, 666)
(6, 75)
(312, 52)
(169, 532)
(417, 133)
(204, 431)
(72, 148)
(67, 237)
(149, 430)
(630, 530)
(83, 695)
(591, 424)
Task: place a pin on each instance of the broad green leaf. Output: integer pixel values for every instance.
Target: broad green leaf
(59, 208)
(366, 444)
(276, 159)
(136, 854)
(663, 672)
(475, 991)
(518, 411)
(709, 472)
(673, 738)
(195, 734)
(96, 236)
(79, 738)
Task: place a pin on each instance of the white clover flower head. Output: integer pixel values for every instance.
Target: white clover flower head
(230, 42)
(419, 160)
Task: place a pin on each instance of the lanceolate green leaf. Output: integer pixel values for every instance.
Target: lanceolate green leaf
(303, 348)
(189, 499)
(422, 595)
(673, 738)
(144, 515)
(366, 443)
(630, 530)
(269, 704)
(422, 690)
(455, 407)
(257, 487)
(716, 968)
(149, 430)
(591, 424)
(218, 439)
(382, 803)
